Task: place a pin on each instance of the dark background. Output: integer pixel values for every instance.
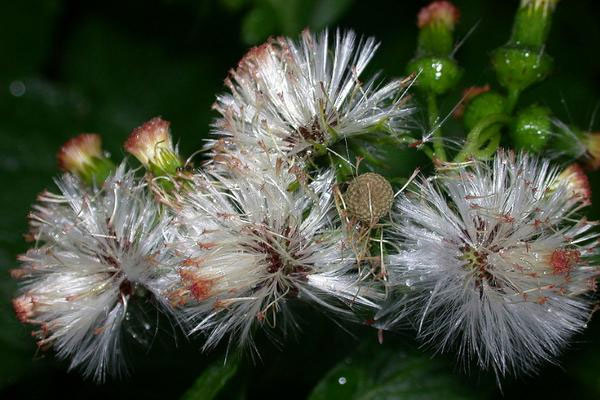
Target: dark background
(68, 67)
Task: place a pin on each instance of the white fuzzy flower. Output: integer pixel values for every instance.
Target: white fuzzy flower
(493, 258)
(288, 96)
(251, 244)
(100, 252)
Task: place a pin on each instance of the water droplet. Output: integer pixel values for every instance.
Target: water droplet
(342, 380)
(584, 326)
(408, 282)
(17, 88)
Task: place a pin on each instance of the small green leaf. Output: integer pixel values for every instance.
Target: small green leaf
(390, 372)
(212, 380)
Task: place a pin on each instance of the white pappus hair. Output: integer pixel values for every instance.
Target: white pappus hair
(97, 252)
(287, 96)
(493, 258)
(251, 244)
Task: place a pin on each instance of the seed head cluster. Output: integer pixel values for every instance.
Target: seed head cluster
(491, 258)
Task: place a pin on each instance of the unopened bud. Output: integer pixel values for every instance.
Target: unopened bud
(83, 156)
(576, 181)
(435, 75)
(532, 128)
(436, 23)
(152, 145)
(468, 94)
(483, 105)
(532, 23)
(518, 68)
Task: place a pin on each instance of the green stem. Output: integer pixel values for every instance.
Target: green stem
(360, 151)
(494, 142)
(512, 98)
(342, 170)
(438, 145)
(474, 138)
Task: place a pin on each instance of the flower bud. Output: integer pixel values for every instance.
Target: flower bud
(531, 128)
(369, 197)
(152, 145)
(481, 106)
(83, 156)
(532, 23)
(435, 74)
(468, 94)
(576, 180)
(436, 23)
(592, 144)
(518, 67)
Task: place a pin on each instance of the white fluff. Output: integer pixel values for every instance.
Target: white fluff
(492, 258)
(250, 246)
(288, 96)
(97, 250)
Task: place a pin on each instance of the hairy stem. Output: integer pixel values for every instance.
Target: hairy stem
(438, 145)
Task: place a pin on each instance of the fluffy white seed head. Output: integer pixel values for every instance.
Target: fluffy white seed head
(493, 259)
(251, 245)
(288, 96)
(97, 253)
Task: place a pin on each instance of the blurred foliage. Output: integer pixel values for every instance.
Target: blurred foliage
(386, 372)
(69, 67)
(212, 380)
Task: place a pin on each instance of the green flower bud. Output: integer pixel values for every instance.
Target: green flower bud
(436, 23)
(531, 128)
(518, 68)
(435, 74)
(481, 106)
(83, 156)
(532, 23)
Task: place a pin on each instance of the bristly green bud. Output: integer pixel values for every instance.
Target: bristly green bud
(518, 68)
(532, 23)
(83, 156)
(523, 61)
(436, 25)
(436, 71)
(435, 75)
(152, 145)
(481, 106)
(532, 128)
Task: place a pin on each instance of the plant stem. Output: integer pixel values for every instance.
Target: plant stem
(512, 97)
(474, 138)
(438, 145)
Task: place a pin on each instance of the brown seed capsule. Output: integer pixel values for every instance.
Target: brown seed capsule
(369, 197)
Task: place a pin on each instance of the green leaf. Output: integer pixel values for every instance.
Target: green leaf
(391, 372)
(212, 380)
